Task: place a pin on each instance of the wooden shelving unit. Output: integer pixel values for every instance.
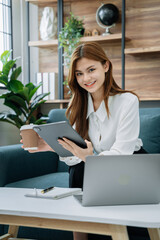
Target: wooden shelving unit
(133, 51)
(61, 102)
(58, 101)
(145, 99)
(99, 38)
(137, 66)
(45, 2)
(43, 44)
(105, 38)
(41, 1)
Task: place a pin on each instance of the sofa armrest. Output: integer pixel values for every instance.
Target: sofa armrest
(150, 129)
(17, 164)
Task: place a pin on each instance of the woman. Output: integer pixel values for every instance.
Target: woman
(101, 112)
(106, 116)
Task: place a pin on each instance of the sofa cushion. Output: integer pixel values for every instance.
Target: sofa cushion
(150, 111)
(57, 115)
(17, 164)
(62, 167)
(44, 181)
(150, 132)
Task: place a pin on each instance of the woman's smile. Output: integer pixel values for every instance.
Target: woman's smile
(90, 84)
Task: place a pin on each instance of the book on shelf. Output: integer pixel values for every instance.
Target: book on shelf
(45, 85)
(38, 81)
(53, 86)
(49, 84)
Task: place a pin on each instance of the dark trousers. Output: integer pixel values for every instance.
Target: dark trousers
(76, 174)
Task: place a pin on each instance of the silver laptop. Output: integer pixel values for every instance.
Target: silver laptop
(121, 180)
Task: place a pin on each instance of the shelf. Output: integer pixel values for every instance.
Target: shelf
(100, 38)
(149, 99)
(43, 44)
(61, 102)
(52, 43)
(45, 2)
(142, 50)
(37, 2)
(58, 101)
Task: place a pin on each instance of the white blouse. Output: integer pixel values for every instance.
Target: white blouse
(117, 134)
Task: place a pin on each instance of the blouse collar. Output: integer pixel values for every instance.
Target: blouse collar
(101, 111)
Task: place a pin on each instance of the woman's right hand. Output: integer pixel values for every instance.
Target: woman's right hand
(42, 146)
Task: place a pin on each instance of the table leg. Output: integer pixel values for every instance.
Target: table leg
(13, 231)
(120, 233)
(5, 237)
(154, 233)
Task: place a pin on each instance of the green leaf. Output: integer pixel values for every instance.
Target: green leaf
(16, 73)
(4, 79)
(38, 98)
(13, 106)
(33, 91)
(19, 101)
(39, 121)
(16, 119)
(7, 67)
(30, 86)
(35, 107)
(25, 113)
(24, 93)
(11, 118)
(5, 55)
(5, 95)
(32, 119)
(3, 115)
(15, 86)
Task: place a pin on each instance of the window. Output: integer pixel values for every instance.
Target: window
(5, 26)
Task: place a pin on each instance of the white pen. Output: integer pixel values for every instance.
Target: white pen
(62, 195)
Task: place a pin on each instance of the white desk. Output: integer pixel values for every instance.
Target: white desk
(67, 214)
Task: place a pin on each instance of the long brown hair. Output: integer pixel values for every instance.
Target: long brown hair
(77, 109)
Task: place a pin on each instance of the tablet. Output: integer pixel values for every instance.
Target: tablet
(51, 132)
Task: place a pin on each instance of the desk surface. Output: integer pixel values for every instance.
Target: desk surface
(13, 202)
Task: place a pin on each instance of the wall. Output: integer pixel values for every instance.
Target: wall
(143, 30)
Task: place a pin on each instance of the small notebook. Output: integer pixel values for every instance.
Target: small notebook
(55, 193)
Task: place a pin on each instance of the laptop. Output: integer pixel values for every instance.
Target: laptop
(121, 180)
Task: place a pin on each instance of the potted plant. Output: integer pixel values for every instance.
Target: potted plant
(69, 37)
(21, 99)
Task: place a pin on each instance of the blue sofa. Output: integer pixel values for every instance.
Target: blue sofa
(19, 168)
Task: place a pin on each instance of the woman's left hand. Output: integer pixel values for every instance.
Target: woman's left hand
(76, 150)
